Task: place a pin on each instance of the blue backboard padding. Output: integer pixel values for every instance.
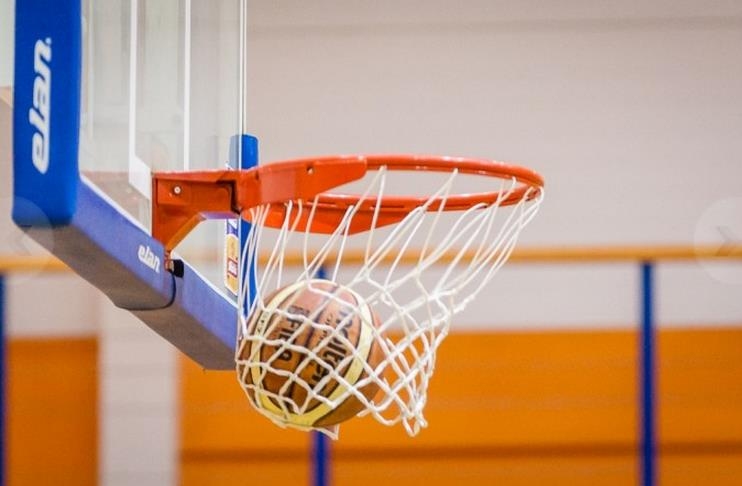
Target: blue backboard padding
(124, 244)
(127, 264)
(46, 114)
(216, 314)
(245, 145)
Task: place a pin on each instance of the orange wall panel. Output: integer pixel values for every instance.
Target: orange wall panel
(215, 415)
(718, 469)
(223, 439)
(506, 389)
(245, 470)
(433, 470)
(509, 408)
(52, 411)
(700, 385)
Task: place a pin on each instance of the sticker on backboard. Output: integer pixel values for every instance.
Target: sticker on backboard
(232, 256)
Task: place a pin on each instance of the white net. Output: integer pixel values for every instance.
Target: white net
(311, 353)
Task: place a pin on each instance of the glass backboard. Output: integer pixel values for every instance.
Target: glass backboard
(105, 94)
(160, 92)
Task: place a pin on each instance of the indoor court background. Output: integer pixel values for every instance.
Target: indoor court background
(630, 110)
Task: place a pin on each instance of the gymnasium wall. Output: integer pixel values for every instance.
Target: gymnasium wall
(511, 407)
(618, 105)
(92, 393)
(556, 407)
(52, 401)
(630, 110)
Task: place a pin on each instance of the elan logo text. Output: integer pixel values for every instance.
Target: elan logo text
(38, 114)
(148, 257)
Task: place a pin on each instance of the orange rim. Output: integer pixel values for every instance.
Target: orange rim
(330, 207)
(530, 180)
(182, 199)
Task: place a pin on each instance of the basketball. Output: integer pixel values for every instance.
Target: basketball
(305, 338)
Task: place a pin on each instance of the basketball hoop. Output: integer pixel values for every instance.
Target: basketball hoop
(416, 260)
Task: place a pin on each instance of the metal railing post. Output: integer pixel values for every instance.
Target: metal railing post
(648, 446)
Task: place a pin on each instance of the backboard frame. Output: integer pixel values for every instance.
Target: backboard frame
(59, 208)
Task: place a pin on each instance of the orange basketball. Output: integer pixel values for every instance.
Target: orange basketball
(308, 334)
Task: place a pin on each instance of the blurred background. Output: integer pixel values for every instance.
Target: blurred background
(631, 111)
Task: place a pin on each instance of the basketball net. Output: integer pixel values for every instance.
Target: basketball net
(416, 274)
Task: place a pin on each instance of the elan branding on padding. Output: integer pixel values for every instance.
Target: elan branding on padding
(38, 115)
(148, 257)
